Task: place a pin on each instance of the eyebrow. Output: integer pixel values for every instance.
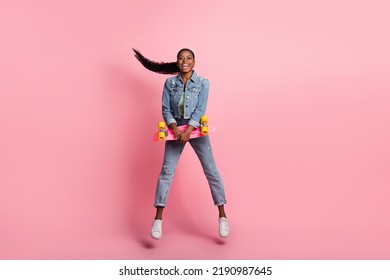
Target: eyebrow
(190, 55)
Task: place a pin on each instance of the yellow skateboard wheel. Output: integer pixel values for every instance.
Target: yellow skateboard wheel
(161, 125)
(161, 136)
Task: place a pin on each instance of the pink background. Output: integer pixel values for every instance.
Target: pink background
(300, 96)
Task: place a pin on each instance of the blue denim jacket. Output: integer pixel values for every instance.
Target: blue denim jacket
(195, 101)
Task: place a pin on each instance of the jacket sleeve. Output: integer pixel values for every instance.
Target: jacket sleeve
(166, 105)
(200, 108)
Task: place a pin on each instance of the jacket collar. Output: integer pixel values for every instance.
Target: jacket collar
(193, 78)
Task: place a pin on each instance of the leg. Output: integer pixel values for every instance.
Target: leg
(202, 148)
(204, 152)
(173, 150)
(221, 211)
(159, 212)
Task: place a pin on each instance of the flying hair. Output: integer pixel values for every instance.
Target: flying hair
(160, 67)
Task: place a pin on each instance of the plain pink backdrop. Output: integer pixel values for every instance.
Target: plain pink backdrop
(300, 96)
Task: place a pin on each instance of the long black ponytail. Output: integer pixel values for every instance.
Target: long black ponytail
(160, 67)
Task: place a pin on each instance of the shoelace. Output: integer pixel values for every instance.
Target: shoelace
(224, 223)
(156, 226)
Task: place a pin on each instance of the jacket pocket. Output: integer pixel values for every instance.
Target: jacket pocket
(195, 89)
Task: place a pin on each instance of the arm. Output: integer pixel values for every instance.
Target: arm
(166, 106)
(176, 131)
(199, 111)
(200, 108)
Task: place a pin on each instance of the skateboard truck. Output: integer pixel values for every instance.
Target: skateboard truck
(204, 128)
(163, 132)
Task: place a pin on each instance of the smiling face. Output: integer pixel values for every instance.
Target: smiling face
(185, 61)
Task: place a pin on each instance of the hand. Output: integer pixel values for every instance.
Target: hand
(177, 133)
(175, 130)
(185, 136)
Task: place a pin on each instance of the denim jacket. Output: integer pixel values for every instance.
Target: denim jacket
(195, 99)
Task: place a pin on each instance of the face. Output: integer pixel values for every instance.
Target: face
(185, 61)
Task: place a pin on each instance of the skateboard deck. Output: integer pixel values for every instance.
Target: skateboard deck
(169, 135)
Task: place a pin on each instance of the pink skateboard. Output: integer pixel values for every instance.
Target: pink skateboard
(165, 133)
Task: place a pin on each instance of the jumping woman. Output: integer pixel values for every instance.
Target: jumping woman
(184, 101)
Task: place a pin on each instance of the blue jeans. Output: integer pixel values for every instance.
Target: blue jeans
(202, 148)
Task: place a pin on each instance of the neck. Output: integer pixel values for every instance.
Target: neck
(186, 76)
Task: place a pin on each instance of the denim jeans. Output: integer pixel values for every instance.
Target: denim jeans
(202, 148)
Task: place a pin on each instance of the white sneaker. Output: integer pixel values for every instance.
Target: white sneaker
(156, 230)
(223, 227)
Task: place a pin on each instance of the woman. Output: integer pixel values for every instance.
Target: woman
(184, 101)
